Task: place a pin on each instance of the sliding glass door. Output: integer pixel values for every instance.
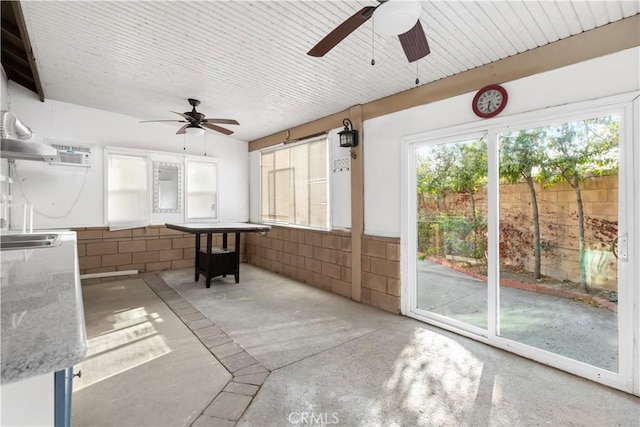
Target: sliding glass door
(452, 230)
(558, 239)
(519, 237)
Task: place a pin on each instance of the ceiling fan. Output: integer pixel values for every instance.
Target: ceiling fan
(197, 122)
(392, 17)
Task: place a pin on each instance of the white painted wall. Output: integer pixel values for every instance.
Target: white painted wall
(4, 94)
(339, 185)
(608, 75)
(4, 105)
(53, 189)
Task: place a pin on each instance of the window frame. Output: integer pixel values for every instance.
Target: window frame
(328, 202)
(110, 151)
(187, 217)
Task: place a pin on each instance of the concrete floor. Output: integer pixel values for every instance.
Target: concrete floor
(334, 361)
(559, 325)
(144, 366)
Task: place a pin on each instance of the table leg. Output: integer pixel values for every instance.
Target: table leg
(237, 258)
(197, 257)
(209, 238)
(224, 246)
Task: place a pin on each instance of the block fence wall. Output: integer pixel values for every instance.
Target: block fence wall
(323, 259)
(558, 227)
(144, 249)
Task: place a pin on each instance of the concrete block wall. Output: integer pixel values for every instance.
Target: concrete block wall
(381, 272)
(318, 258)
(323, 259)
(144, 249)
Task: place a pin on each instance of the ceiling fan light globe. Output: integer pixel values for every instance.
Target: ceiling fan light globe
(194, 130)
(396, 17)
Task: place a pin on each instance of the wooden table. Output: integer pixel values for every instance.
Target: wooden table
(212, 262)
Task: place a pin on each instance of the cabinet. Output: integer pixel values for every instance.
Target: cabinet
(212, 262)
(43, 400)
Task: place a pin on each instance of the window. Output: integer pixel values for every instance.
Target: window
(127, 191)
(202, 190)
(295, 185)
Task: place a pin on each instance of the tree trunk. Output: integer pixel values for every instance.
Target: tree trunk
(536, 228)
(476, 240)
(583, 271)
(472, 199)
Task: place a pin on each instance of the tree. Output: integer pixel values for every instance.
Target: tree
(521, 156)
(579, 150)
(434, 171)
(454, 168)
(470, 174)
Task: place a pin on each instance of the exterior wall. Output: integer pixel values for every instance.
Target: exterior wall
(144, 249)
(318, 258)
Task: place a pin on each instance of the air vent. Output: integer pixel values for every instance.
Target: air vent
(72, 155)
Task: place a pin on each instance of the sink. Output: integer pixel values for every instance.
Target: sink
(28, 241)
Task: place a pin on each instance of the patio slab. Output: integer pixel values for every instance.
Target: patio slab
(275, 319)
(411, 374)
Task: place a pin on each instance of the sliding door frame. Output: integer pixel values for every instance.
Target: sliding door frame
(628, 376)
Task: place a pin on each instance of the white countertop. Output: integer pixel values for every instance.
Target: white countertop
(42, 316)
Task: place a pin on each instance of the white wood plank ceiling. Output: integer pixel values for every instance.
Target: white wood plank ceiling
(247, 59)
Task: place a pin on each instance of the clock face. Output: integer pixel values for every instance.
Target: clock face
(489, 101)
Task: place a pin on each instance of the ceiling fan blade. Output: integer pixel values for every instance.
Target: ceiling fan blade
(191, 119)
(342, 31)
(414, 43)
(183, 130)
(158, 121)
(217, 128)
(221, 121)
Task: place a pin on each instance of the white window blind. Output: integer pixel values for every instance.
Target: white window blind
(295, 185)
(127, 191)
(202, 190)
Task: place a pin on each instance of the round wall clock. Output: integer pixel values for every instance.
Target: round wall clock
(489, 101)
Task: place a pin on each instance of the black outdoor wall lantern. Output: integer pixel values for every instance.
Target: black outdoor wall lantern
(348, 136)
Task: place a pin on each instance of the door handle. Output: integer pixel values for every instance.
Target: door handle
(620, 247)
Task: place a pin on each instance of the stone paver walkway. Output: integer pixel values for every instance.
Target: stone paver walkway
(227, 407)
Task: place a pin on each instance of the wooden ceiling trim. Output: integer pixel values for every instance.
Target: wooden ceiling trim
(300, 132)
(14, 32)
(11, 31)
(26, 83)
(591, 44)
(16, 54)
(600, 41)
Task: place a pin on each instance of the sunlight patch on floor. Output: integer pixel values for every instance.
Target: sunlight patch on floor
(133, 340)
(434, 384)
